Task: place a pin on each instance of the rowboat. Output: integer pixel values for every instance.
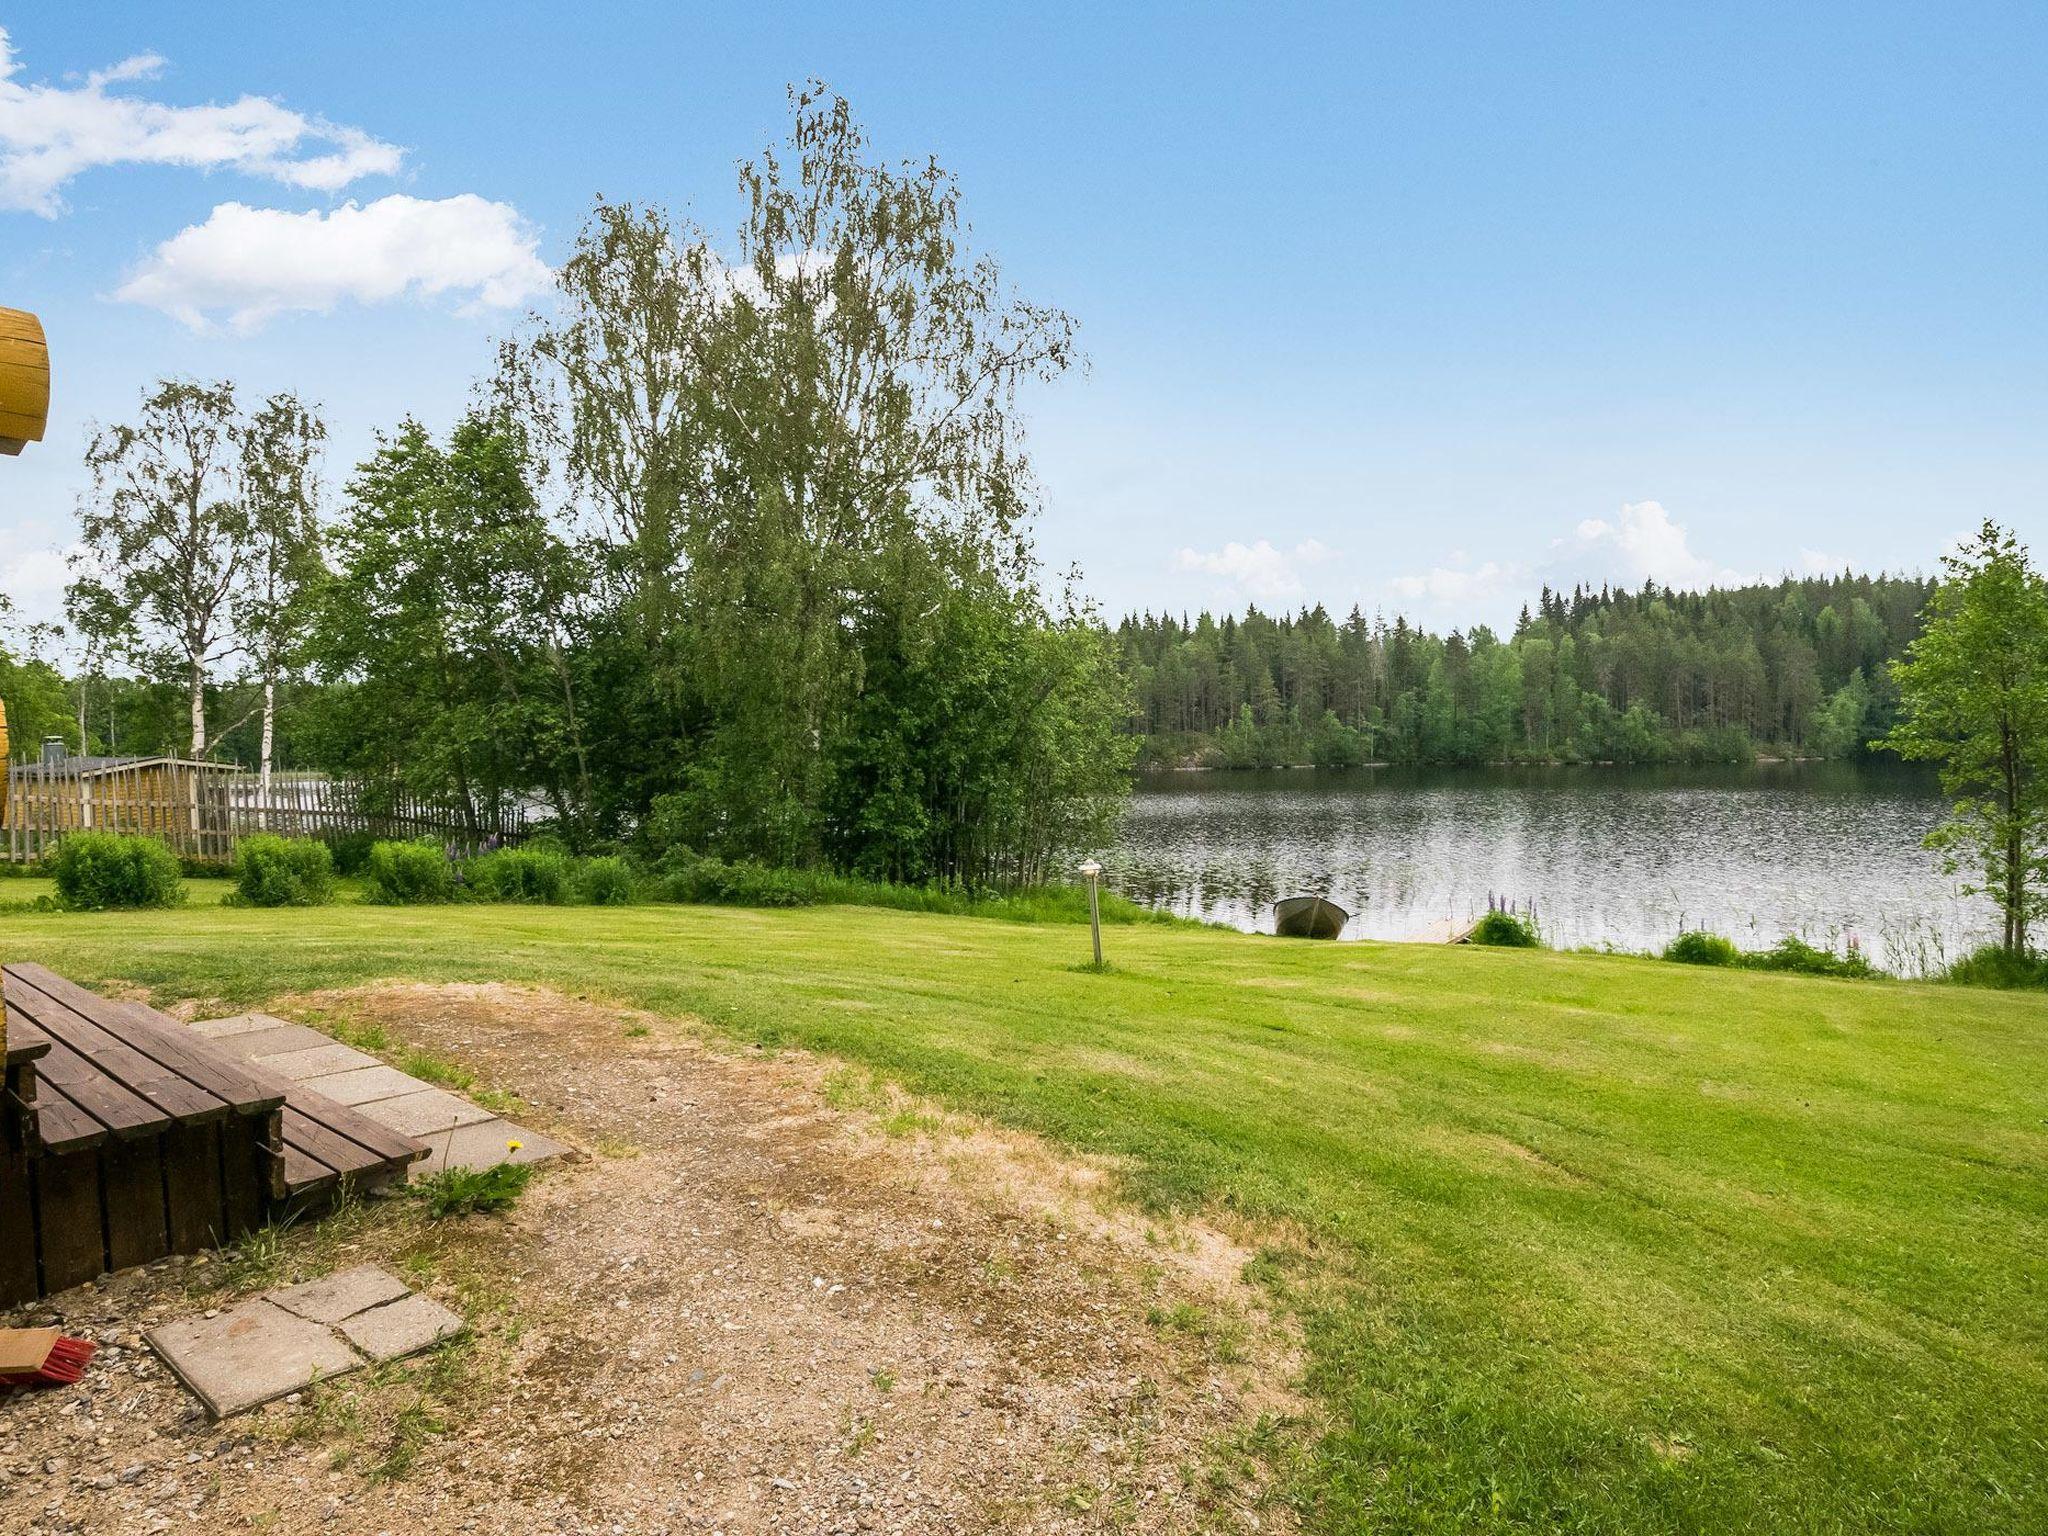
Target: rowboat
(1309, 917)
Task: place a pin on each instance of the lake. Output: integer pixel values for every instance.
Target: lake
(1608, 856)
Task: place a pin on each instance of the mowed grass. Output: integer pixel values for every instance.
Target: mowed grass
(1579, 1243)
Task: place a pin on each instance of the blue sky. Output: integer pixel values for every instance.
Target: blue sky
(1409, 306)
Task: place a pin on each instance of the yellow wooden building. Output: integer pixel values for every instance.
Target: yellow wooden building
(24, 380)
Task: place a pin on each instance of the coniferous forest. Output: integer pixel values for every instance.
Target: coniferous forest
(1794, 668)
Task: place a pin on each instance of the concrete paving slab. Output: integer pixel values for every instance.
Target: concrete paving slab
(485, 1145)
(341, 1295)
(361, 1087)
(319, 1061)
(240, 1024)
(421, 1115)
(275, 1041)
(250, 1354)
(402, 1328)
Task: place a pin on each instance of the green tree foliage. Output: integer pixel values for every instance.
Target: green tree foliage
(818, 636)
(1797, 667)
(197, 539)
(1974, 690)
(443, 629)
(31, 685)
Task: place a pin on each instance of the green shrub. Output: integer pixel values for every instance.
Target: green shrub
(1506, 930)
(1698, 947)
(101, 871)
(408, 874)
(605, 882)
(1795, 954)
(351, 851)
(687, 877)
(275, 871)
(519, 874)
(1991, 966)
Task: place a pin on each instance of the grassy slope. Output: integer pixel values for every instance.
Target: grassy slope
(1587, 1243)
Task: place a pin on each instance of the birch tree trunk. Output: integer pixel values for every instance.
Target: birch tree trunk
(269, 737)
(198, 713)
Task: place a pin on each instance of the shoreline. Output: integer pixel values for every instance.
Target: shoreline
(1760, 761)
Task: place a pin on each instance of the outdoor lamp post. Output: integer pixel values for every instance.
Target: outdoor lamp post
(1093, 871)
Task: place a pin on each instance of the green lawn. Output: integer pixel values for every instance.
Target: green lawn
(1580, 1243)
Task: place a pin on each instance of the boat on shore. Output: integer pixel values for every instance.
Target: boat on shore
(1308, 917)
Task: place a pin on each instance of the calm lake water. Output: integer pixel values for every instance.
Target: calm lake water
(1608, 856)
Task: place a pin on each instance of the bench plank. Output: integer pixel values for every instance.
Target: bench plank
(163, 1040)
(68, 1087)
(62, 1127)
(109, 1056)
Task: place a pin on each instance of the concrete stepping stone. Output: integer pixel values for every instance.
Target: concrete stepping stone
(250, 1354)
(302, 1064)
(275, 1041)
(457, 1133)
(285, 1340)
(240, 1024)
(485, 1145)
(401, 1328)
(341, 1295)
(361, 1087)
(427, 1113)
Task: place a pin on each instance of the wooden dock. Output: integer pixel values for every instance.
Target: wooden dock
(1445, 930)
(128, 1136)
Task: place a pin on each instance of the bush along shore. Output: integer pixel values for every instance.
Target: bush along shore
(96, 872)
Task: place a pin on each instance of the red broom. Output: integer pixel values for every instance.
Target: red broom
(42, 1357)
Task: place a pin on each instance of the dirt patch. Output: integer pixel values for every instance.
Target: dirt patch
(776, 1295)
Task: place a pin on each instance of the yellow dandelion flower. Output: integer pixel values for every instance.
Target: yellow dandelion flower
(514, 1146)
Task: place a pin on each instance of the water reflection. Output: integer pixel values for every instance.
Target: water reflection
(1607, 856)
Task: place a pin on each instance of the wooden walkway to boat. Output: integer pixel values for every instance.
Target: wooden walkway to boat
(1445, 930)
(128, 1136)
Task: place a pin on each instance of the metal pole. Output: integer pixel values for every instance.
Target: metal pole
(1093, 871)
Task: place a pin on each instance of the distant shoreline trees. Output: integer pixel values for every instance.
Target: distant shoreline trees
(1793, 668)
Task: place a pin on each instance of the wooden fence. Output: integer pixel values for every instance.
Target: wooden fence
(202, 809)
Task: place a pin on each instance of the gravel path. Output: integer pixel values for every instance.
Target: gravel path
(772, 1296)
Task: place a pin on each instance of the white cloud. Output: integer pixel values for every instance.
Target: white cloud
(1643, 543)
(1260, 571)
(253, 263)
(1460, 584)
(1814, 562)
(51, 133)
(34, 578)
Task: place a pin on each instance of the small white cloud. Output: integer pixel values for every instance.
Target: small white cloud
(34, 578)
(1814, 562)
(1643, 543)
(50, 134)
(1260, 571)
(1459, 584)
(253, 263)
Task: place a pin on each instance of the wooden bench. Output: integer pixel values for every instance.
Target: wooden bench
(133, 1137)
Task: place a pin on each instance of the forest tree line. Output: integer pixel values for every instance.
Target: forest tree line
(1799, 667)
